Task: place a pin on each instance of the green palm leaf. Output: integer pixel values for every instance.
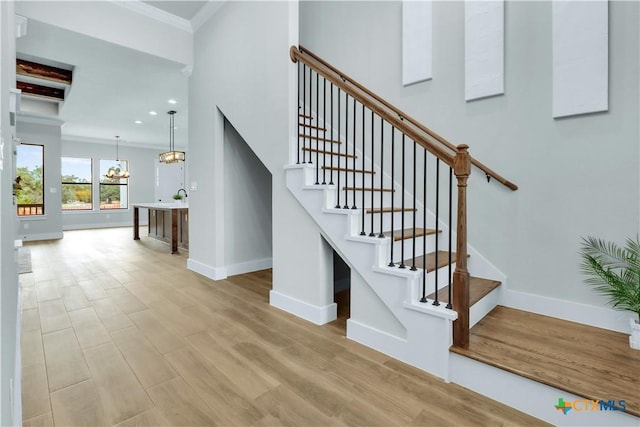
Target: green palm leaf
(613, 271)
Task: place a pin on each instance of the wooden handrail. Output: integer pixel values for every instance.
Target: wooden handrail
(374, 104)
(368, 98)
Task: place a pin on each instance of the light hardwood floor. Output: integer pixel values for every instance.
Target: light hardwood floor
(119, 332)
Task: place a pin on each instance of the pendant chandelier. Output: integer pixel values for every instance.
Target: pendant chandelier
(116, 172)
(172, 156)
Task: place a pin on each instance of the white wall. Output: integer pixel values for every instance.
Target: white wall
(49, 225)
(578, 176)
(10, 409)
(241, 68)
(141, 183)
(248, 207)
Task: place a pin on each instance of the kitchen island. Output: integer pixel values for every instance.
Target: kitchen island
(167, 222)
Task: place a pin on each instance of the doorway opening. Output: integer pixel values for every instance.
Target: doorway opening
(341, 290)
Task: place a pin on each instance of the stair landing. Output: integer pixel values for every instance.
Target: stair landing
(586, 361)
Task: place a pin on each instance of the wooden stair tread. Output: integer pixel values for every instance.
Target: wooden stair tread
(312, 127)
(304, 116)
(335, 168)
(443, 260)
(335, 153)
(368, 189)
(478, 289)
(319, 138)
(590, 362)
(389, 210)
(408, 233)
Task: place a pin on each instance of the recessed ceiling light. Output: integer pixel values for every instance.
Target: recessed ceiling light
(138, 122)
(153, 113)
(173, 101)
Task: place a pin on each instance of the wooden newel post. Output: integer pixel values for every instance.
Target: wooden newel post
(462, 169)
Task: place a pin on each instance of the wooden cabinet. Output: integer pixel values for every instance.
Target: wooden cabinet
(160, 225)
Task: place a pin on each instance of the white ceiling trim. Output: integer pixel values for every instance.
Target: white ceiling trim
(157, 14)
(122, 142)
(205, 13)
(48, 121)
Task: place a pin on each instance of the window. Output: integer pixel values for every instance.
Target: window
(76, 184)
(30, 179)
(114, 192)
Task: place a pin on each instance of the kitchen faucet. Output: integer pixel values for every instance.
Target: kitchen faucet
(185, 192)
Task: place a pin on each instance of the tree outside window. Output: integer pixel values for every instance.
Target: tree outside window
(76, 184)
(114, 192)
(29, 186)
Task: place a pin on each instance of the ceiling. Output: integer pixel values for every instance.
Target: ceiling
(114, 86)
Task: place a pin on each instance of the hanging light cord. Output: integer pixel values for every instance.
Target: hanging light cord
(171, 130)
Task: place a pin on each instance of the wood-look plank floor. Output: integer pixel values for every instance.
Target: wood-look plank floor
(119, 332)
(590, 362)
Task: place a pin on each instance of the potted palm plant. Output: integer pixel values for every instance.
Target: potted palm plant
(614, 272)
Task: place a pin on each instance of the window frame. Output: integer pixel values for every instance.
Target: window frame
(111, 183)
(90, 184)
(22, 206)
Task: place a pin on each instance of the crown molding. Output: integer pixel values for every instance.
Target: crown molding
(155, 13)
(205, 13)
(123, 143)
(39, 120)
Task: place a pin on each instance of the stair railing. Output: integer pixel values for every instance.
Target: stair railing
(359, 126)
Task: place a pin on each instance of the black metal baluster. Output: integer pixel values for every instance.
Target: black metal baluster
(393, 168)
(372, 234)
(402, 210)
(346, 150)
(324, 131)
(413, 239)
(450, 228)
(317, 126)
(381, 235)
(354, 155)
(338, 172)
(310, 115)
(424, 226)
(300, 64)
(331, 174)
(436, 302)
(304, 111)
(364, 158)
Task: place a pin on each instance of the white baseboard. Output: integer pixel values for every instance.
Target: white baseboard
(213, 273)
(220, 273)
(528, 396)
(591, 315)
(377, 339)
(66, 227)
(42, 236)
(312, 313)
(249, 266)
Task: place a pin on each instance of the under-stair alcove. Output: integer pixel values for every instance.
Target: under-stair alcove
(341, 290)
(247, 206)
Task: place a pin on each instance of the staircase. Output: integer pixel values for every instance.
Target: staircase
(380, 187)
